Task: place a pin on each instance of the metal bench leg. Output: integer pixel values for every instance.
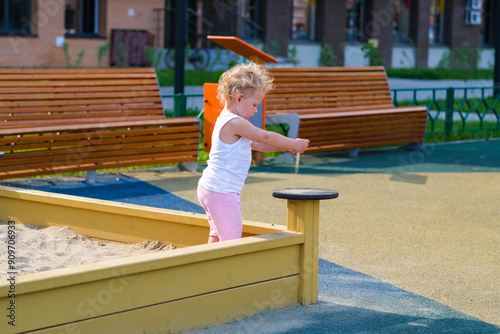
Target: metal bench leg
(91, 176)
(353, 153)
(293, 121)
(188, 166)
(414, 146)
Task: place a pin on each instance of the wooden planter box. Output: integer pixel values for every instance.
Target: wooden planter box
(194, 286)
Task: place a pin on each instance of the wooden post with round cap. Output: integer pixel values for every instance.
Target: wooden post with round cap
(303, 217)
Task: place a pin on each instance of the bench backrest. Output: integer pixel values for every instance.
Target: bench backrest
(328, 89)
(77, 95)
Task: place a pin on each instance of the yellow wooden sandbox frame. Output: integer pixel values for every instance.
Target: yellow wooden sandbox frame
(194, 286)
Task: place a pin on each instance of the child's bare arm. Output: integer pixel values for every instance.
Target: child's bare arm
(256, 146)
(267, 141)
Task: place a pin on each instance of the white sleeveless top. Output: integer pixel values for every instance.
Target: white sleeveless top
(228, 164)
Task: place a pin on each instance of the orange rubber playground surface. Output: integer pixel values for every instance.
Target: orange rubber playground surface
(412, 244)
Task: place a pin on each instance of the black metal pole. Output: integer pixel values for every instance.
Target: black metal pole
(166, 25)
(496, 71)
(180, 45)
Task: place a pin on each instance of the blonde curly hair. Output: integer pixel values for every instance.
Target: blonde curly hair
(243, 78)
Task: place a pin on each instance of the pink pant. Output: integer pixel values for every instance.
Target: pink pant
(224, 213)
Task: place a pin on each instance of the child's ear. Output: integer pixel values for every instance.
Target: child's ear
(238, 98)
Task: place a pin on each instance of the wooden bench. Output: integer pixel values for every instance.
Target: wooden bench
(344, 108)
(67, 120)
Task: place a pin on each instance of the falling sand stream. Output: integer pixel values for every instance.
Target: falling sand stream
(297, 162)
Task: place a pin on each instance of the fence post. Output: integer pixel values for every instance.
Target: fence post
(395, 98)
(448, 121)
(180, 105)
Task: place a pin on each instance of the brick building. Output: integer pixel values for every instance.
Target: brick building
(409, 33)
(32, 31)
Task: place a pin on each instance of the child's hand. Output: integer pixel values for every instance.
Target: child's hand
(301, 145)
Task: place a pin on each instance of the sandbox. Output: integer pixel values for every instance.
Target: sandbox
(193, 286)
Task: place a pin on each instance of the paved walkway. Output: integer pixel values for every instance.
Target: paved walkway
(397, 83)
(410, 246)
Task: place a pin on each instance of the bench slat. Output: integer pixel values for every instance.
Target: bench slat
(345, 124)
(393, 112)
(315, 96)
(321, 76)
(374, 142)
(90, 124)
(4, 84)
(78, 95)
(338, 130)
(40, 158)
(329, 87)
(21, 120)
(96, 126)
(68, 111)
(76, 70)
(168, 132)
(75, 76)
(106, 143)
(386, 135)
(97, 158)
(330, 69)
(143, 161)
(326, 102)
(112, 101)
(318, 111)
(158, 138)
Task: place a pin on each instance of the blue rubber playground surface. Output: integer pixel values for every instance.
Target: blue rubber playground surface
(349, 301)
(115, 187)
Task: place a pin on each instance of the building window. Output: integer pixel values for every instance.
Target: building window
(487, 24)
(303, 20)
(401, 22)
(355, 21)
(81, 17)
(436, 22)
(15, 17)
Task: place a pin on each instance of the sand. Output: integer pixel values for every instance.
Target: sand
(40, 249)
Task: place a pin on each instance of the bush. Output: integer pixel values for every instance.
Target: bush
(155, 56)
(465, 59)
(370, 52)
(327, 57)
(191, 77)
(292, 55)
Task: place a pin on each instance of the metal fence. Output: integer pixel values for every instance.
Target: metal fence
(454, 109)
(177, 104)
(451, 110)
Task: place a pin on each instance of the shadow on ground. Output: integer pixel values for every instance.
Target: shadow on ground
(351, 302)
(111, 187)
(461, 157)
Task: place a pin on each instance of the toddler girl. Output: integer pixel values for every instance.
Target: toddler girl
(241, 89)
